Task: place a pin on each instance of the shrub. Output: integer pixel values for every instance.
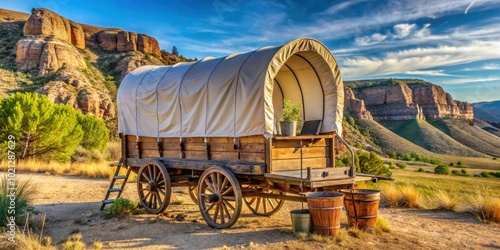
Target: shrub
(459, 164)
(486, 175)
(455, 172)
(291, 112)
(434, 161)
(121, 207)
(421, 170)
(442, 169)
(401, 165)
(370, 163)
(452, 164)
(392, 154)
(463, 171)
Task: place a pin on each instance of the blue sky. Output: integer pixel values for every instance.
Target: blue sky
(455, 44)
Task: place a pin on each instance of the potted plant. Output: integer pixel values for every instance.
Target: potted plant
(292, 114)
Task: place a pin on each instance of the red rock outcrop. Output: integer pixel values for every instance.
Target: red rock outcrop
(390, 102)
(356, 106)
(436, 103)
(48, 54)
(401, 101)
(44, 22)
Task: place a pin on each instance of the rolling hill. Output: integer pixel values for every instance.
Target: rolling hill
(429, 137)
(489, 111)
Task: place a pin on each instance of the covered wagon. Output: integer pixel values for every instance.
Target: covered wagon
(211, 125)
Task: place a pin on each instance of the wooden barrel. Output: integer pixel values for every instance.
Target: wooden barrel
(361, 206)
(325, 209)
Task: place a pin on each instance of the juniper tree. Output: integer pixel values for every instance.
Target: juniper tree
(96, 135)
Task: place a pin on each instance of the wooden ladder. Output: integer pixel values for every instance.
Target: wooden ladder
(114, 186)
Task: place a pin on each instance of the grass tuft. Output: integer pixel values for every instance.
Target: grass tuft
(355, 232)
(401, 196)
(445, 200)
(485, 207)
(23, 195)
(74, 242)
(121, 208)
(382, 225)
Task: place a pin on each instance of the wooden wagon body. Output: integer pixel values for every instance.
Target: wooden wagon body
(211, 126)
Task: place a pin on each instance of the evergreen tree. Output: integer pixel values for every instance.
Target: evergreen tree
(96, 135)
(175, 51)
(42, 129)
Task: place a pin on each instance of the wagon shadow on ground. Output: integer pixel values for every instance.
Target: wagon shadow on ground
(159, 231)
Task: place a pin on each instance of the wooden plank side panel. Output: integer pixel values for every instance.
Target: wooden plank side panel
(307, 152)
(296, 143)
(294, 164)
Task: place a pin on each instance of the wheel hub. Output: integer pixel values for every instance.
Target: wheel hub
(151, 186)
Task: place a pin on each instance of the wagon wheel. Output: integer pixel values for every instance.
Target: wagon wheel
(193, 193)
(219, 197)
(153, 187)
(264, 206)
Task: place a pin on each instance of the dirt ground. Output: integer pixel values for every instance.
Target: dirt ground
(72, 204)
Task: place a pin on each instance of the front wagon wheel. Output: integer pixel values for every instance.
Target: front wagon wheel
(219, 197)
(153, 187)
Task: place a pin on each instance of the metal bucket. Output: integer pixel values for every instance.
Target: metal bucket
(289, 128)
(301, 221)
(361, 206)
(325, 209)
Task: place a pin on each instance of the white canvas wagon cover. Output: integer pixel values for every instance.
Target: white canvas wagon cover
(237, 95)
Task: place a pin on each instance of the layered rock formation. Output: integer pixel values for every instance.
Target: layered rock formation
(403, 101)
(48, 54)
(356, 106)
(44, 22)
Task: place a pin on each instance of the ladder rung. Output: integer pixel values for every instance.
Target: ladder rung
(114, 189)
(120, 177)
(108, 201)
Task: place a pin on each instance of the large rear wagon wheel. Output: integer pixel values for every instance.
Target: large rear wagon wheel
(264, 206)
(153, 187)
(219, 197)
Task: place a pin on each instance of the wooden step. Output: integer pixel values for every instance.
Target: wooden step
(122, 177)
(108, 201)
(115, 189)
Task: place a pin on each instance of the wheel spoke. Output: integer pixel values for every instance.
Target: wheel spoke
(252, 200)
(229, 215)
(146, 177)
(224, 184)
(209, 207)
(216, 213)
(209, 185)
(222, 216)
(229, 189)
(272, 204)
(158, 198)
(228, 204)
(215, 184)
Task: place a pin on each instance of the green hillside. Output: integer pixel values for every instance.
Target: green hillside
(393, 142)
(429, 137)
(471, 136)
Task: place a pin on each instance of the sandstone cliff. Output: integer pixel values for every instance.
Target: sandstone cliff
(44, 22)
(356, 106)
(407, 100)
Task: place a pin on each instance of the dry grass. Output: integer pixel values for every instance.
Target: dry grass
(32, 241)
(74, 242)
(445, 200)
(382, 225)
(401, 196)
(485, 207)
(93, 170)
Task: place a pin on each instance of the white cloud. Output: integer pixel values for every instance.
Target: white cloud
(468, 7)
(428, 73)
(488, 66)
(420, 59)
(471, 80)
(370, 40)
(403, 30)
